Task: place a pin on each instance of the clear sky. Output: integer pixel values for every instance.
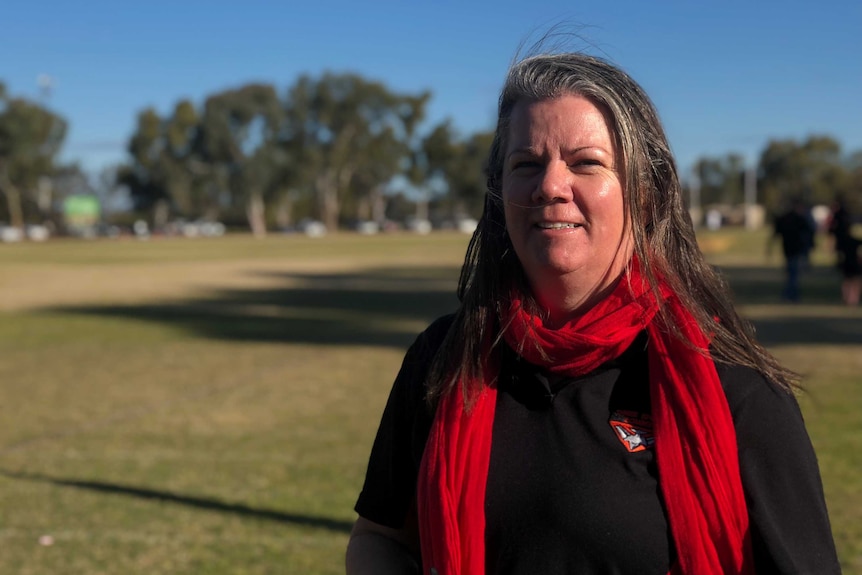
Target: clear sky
(726, 76)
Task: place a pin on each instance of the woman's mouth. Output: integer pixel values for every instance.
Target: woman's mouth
(557, 225)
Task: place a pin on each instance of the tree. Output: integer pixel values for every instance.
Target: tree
(341, 125)
(196, 164)
(721, 179)
(812, 171)
(147, 177)
(168, 170)
(30, 140)
(190, 182)
(468, 180)
(240, 132)
(367, 186)
(432, 165)
(457, 166)
(388, 155)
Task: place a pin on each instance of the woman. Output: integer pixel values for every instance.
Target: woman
(595, 404)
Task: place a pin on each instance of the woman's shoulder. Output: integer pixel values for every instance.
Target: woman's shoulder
(428, 341)
(747, 389)
(417, 361)
(437, 329)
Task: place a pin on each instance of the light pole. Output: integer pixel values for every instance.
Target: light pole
(694, 208)
(753, 215)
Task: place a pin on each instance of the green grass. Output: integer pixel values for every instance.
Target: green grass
(207, 406)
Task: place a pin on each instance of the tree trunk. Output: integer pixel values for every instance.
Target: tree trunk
(327, 200)
(13, 200)
(422, 207)
(161, 213)
(331, 209)
(255, 212)
(211, 214)
(45, 197)
(284, 212)
(378, 206)
(363, 208)
(458, 211)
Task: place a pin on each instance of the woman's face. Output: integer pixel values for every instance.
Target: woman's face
(563, 200)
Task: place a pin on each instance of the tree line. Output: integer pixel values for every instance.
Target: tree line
(814, 170)
(338, 148)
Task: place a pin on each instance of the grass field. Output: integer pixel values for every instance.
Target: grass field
(190, 406)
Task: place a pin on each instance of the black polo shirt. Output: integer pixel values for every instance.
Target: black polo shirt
(572, 482)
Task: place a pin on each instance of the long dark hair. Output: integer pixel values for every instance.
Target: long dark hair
(664, 237)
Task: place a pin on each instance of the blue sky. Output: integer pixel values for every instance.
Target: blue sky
(726, 76)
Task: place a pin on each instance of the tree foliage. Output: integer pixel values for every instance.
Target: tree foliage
(30, 141)
(349, 134)
(467, 178)
(721, 179)
(331, 145)
(813, 171)
(239, 137)
(456, 165)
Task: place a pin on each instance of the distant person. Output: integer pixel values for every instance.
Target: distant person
(795, 229)
(595, 404)
(847, 252)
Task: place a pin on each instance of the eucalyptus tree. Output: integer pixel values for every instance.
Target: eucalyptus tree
(148, 173)
(388, 154)
(348, 135)
(190, 182)
(468, 179)
(30, 140)
(366, 198)
(173, 169)
(813, 170)
(455, 167)
(721, 179)
(432, 164)
(239, 139)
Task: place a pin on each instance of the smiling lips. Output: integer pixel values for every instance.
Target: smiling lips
(557, 225)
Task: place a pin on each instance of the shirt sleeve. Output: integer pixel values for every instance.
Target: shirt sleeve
(790, 529)
(393, 466)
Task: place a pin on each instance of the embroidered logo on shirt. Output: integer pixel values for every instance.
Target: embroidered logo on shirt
(634, 430)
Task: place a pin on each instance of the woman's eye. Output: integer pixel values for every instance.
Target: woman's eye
(525, 165)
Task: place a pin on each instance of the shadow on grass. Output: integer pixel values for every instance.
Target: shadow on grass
(818, 318)
(188, 501)
(763, 285)
(387, 307)
(380, 307)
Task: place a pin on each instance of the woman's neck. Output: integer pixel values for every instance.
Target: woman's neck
(563, 302)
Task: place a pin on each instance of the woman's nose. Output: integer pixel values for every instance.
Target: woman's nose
(555, 184)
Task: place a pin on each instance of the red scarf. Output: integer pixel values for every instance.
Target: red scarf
(695, 446)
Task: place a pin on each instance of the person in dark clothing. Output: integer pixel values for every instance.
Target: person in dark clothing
(847, 250)
(796, 232)
(595, 404)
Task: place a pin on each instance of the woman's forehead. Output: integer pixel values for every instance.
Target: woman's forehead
(570, 120)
